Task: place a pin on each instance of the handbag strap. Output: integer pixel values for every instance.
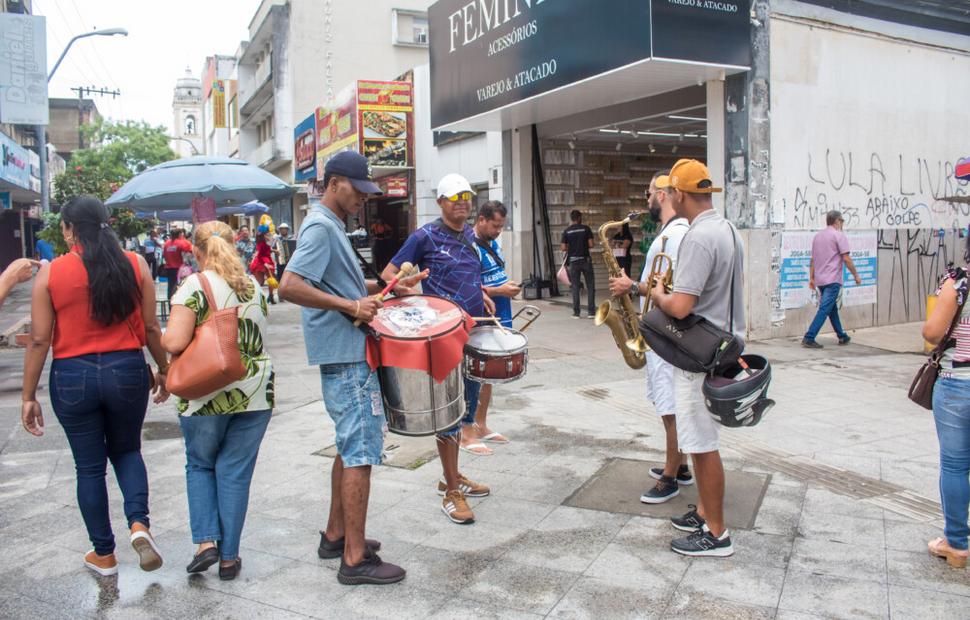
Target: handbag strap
(207, 289)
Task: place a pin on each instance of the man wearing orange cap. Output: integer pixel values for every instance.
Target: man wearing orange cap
(708, 281)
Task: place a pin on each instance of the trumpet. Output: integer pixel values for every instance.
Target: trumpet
(659, 272)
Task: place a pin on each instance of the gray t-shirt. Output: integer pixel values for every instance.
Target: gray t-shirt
(325, 260)
(708, 254)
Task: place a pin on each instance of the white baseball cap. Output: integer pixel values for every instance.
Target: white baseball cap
(452, 184)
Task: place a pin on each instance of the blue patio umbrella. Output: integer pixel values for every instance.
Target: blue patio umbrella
(173, 184)
(185, 215)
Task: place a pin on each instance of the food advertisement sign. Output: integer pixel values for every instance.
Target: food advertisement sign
(385, 116)
(336, 128)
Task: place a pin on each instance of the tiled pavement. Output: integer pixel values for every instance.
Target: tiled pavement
(817, 549)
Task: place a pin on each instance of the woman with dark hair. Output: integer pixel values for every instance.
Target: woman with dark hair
(951, 409)
(97, 305)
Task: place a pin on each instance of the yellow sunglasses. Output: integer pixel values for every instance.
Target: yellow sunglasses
(460, 196)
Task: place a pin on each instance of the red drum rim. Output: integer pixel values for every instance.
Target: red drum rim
(398, 300)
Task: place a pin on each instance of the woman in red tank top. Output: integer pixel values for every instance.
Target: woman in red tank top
(96, 304)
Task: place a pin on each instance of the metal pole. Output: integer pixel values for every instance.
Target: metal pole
(45, 190)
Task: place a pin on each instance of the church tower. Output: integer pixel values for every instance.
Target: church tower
(187, 116)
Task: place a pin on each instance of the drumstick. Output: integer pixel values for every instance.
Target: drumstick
(406, 269)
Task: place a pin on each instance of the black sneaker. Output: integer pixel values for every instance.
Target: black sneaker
(845, 340)
(371, 570)
(665, 489)
(704, 544)
(690, 522)
(811, 344)
(684, 476)
(329, 549)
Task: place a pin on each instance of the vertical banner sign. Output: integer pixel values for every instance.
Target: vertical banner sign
(336, 127)
(305, 149)
(23, 69)
(219, 104)
(385, 112)
(862, 251)
(796, 256)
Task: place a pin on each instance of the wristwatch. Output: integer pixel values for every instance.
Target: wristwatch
(635, 289)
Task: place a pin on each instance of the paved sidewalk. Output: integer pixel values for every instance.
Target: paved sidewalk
(844, 468)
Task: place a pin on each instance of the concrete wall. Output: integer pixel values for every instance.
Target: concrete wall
(360, 47)
(871, 125)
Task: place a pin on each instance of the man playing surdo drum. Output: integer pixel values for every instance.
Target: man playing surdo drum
(446, 247)
(324, 277)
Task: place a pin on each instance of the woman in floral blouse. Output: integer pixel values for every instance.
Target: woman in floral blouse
(222, 430)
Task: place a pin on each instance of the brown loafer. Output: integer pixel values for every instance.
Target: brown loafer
(228, 573)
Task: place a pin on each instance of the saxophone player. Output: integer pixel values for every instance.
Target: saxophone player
(660, 374)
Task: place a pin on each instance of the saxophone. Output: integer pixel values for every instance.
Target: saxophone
(619, 313)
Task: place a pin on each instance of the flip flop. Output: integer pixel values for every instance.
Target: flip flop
(495, 438)
(477, 448)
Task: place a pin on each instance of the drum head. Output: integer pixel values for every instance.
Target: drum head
(417, 317)
(490, 338)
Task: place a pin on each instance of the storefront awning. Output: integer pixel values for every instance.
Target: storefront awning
(499, 64)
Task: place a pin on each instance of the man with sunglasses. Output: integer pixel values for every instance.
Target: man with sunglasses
(446, 247)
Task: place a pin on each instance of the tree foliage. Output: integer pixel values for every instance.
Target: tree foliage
(119, 151)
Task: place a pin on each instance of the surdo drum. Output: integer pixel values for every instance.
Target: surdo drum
(419, 338)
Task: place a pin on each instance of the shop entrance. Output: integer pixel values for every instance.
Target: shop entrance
(601, 164)
(384, 228)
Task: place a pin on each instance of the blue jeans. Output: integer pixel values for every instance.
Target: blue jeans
(827, 309)
(951, 411)
(220, 455)
(472, 390)
(100, 400)
(352, 395)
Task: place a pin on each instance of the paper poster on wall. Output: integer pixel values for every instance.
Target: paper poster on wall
(796, 256)
(863, 254)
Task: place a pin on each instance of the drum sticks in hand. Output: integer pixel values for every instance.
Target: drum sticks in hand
(406, 269)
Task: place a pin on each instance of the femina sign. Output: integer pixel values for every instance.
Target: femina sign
(491, 54)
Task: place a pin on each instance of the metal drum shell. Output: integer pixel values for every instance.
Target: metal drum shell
(431, 407)
(495, 365)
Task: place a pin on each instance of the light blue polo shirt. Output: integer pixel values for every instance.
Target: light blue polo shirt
(325, 260)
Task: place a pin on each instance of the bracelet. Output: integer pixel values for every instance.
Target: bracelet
(357, 310)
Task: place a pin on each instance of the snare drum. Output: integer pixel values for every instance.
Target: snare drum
(418, 340)
(494, 355)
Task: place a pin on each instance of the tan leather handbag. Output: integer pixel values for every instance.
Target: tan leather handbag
(212, 360)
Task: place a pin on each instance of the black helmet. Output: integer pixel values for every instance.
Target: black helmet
(736, 394)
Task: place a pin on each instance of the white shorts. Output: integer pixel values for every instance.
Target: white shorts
(660, 384)
(697, 432)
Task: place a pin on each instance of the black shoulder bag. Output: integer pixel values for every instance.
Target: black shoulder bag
(693, 343)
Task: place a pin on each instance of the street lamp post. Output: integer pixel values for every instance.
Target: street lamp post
(195, 150)
(41, 130)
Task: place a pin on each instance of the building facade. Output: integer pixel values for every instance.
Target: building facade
(218, 89)
(790, 103)
(67, 116)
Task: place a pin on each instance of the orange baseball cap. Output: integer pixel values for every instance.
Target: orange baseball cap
(691, 176)
(662, 182)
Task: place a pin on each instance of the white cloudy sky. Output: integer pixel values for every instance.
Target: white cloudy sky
(164, 38)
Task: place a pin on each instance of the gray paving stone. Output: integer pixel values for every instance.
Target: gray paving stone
(643, 567)
(730, 580)
(596, 598)
(924, 572)
(698, 604)
(833, 597)
(855, 530)
(568, 539)
(840, 559)
(519, 586)
(925, 604)
(456, 608)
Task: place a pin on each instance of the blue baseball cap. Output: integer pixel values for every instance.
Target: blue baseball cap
(354, 166)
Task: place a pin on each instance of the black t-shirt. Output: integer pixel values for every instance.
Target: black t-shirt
(625, 235)
(577, 238)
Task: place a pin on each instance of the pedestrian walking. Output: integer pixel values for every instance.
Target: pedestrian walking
(148, 250)
(245, 246)
(325, 278)
(830, 251)
(96, 304)
(223, 430)
(577, 240)
(172, 253)
(446, 247)
(660, 373)
(951, 409)
(709, 262)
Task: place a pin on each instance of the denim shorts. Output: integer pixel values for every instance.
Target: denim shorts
(352, 396)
